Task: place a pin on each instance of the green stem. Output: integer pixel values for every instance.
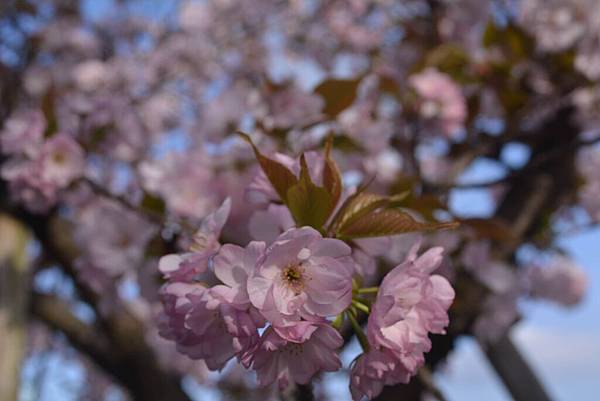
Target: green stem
(368, 290)
(360, 334)
(359, 305)
(337, 323)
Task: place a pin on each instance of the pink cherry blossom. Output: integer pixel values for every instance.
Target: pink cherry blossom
(410, 304)
(499, 312)
(185, 194)
(205, 326)
(365, 252)
(186, 266)
(302, 275)
(267, 225)
(561, 281)
(26, 185)
(62, 160)
(440, 99)
(372, 371)
(588, 164)
(23, 133)
(222, 331)
(497, 276)
(288, 107)
(284, 361)
(207, 236)
(113, 238)
(233, 265)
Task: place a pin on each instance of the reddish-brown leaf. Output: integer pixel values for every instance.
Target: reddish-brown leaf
(332, 178)
(338, 94)
(386, 222)
(279, 176)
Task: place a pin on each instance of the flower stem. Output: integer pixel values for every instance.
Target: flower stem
(360, 334)
(337, 322)
(368, 290)
(359, 305)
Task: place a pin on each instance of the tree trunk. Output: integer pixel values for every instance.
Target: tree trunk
(14, 289)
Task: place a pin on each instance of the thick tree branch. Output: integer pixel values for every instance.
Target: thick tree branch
(57, 315)
(513, 369)
(136, 365)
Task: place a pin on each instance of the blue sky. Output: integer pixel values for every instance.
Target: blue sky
(563, 346)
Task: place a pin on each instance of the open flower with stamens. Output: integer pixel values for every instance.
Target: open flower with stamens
(302, 275)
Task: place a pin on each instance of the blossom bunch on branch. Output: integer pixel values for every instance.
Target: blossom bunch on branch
(277, 307)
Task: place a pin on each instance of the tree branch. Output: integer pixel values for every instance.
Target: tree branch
(56, 314)
(517, 376)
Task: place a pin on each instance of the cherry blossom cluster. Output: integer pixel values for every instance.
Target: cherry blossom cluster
(123, 136)
(39, 166)
(277, 307)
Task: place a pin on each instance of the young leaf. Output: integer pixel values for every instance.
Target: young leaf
(338, 94)
(357, 206)
(332, 178)
(386, 222)
(309, 204)
(360, 204)
(279, 175)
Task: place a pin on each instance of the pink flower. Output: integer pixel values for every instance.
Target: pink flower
(62, 160)
(26, 185)
(92, 75)
(277, 359)
(223, 330)
(495, 275)
(441, 99)
(302, 275)
(498, 313)
(561, 281)
(111, 237)
(184, 267)
(365, 252)
(205, 243)
(205, 326)
(207, 236)
(410, 304)
(38, 171)
(183, 181)
(288, 107)
(588, 164)
(267, 225)
(373, 370)
(233, 265)
(23, 133)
